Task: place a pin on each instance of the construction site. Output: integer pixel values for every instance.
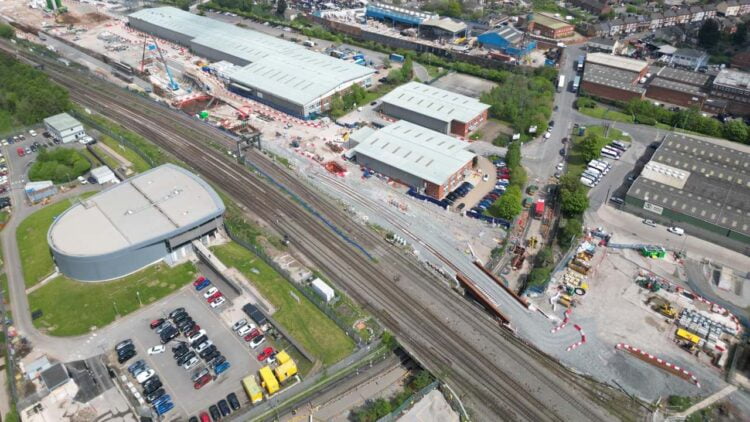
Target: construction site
(635, 296)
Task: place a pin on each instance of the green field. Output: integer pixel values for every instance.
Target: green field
(110, 161)
(31, 237)
(304, 321)
(139, 164)
(603, 113)
(72, 308)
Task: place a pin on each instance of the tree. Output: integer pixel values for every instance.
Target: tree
(574, 202)
(736, 130)
(386, 63)
(709, 34)
(513, 155)
(6, 31)
(509, 205)
(281, 7)
(590, 146)
(545, 257)
(739, 37)
(571, 229)
(538, 276)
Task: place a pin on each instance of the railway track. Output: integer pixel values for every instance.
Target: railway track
(505, 381)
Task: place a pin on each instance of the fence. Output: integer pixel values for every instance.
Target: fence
(394, 415)
(317, 301)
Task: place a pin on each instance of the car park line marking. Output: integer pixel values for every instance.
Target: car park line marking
(221, 321)
(149, 360)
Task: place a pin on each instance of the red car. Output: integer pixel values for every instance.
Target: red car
(200, 382)
(252, 335)
(200, 280)
(214, 297)
(157, 322)
(205, 417)
(268, 351)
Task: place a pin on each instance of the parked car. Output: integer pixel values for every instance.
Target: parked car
(233, 401)
(157, 349)
(254, 333)
(203, 346)
(202, 381)
(155, 395)
(649, 222)
(215, 414)
(268, 351)
(176, 311)
(224, 407)
(221, 368)
(123, 344)
(124, 357)
(245, 330)
(197, 335)
(156, 323)
(204, 417)
(152, 385)
(210, 292)
(257, 341)
(191, 363)
(239, 324)
(144, 376)
(218, 302)
(207, 351)
(185, 358)
(138, 365)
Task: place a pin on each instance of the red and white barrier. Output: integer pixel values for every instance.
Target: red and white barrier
(681, 372)
(564, 322)
(579, 343)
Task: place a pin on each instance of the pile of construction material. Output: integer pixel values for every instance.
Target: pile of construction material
(704, 324)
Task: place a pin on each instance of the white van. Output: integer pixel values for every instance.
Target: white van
(586, 182)
(594, 181)
(610, 154)
(591, 175)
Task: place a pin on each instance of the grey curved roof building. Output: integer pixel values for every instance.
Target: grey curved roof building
(149, 218)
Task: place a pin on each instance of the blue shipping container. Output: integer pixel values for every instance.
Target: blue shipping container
(397, 57)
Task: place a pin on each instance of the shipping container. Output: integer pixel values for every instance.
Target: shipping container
(268, 380)
(286, 370)
(687, 335)
(253, 390)
(396, 57)
(282, 357)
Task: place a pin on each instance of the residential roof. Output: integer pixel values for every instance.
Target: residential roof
(55, 376)
(446, 24)
(667, 49)
(62, 121)
(684, 76)
(707, 180)
(733, 78)
(677, 86)
(155, 203)
(271, 64)
(615, 78)
(424, 153)
(549, 21)
(690, 52)
(617, 62)
(435, 102)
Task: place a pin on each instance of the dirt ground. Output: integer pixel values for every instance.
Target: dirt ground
(470, 86)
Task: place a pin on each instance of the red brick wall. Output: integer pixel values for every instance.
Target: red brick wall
(674, 97)
(463, 129)
(608, 92)
(548, 32)
(439, 191)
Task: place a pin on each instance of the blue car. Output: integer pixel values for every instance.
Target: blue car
(223, 367)
(161, 400)
(205, 283)
(164, 408)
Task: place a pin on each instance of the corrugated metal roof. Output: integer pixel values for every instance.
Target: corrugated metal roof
(422, 152)
(617, 62)
(304, 75)
(435, 102)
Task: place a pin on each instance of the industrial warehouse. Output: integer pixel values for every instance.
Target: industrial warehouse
(279, 73)
(149, 218)
(429, 162)
(701, 186)
(434, 108)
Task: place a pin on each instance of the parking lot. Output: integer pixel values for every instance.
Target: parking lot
(177, 381)
(470, 86)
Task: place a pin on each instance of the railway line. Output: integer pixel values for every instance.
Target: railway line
(503, 378)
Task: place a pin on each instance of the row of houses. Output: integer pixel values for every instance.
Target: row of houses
(669, 18)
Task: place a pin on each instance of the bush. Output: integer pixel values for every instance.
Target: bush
(584, 102)
(7, 31)
(509, 205)
(27, 95)
(538, 276)
(60, 166)
(571, 229)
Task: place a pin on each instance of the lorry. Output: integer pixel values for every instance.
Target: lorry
(539, 208)
(561, 83)
(253, 390)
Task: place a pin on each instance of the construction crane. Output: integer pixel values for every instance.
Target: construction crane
(173, 85)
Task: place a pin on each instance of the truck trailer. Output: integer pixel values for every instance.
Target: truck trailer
(253, 390)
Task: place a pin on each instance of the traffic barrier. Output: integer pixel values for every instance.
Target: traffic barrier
(564, 322)
(656, 361)
(579, 343)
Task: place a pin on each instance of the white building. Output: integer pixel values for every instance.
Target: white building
(64, 128)
(104, 175)
(323, 290)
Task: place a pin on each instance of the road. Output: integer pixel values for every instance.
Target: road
(447, 335)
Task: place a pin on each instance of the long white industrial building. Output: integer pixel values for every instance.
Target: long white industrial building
(280, 73)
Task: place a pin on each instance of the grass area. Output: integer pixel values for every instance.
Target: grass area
(4, 217)
(139, 164)
(576, 162)
(434, 71)
(681, 403)
(72, 308)
(108, 159)
(31, 236)
(305, 322)
(89, 156)
(4, 287)
(603, 113)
